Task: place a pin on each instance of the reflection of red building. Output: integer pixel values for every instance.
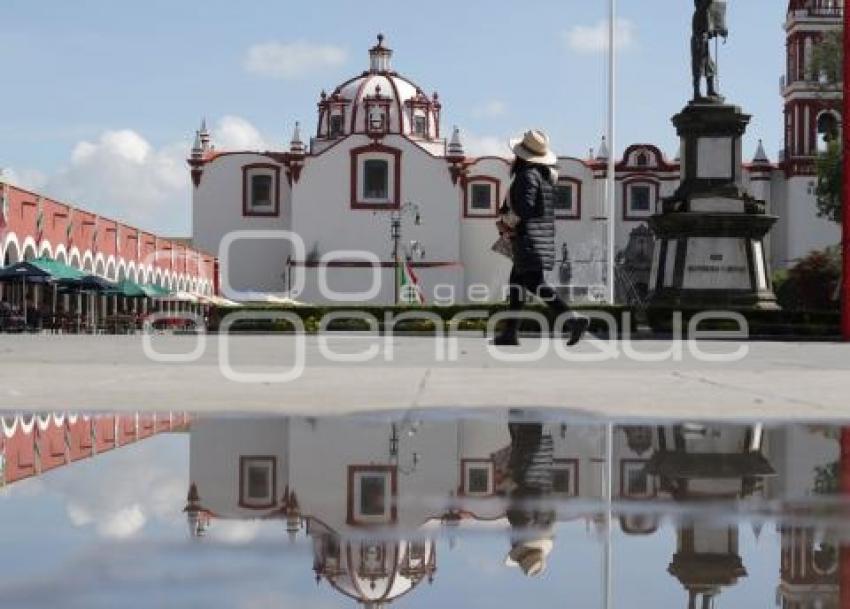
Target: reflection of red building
(844, 485)
(809, 568)
(36, 443)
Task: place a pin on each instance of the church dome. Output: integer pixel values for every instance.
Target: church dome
(378, 102)
(374, 574)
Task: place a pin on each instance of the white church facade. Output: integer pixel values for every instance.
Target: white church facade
(381, 176)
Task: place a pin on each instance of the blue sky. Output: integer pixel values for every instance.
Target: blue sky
(100, 98)
(109, 532)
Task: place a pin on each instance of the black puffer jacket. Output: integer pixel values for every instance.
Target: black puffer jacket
(532, 199)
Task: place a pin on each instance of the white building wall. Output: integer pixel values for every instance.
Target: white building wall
(217, 211)
(459, 264)
(484, 270)
(323, 217)
(805, 230)
(214, 456)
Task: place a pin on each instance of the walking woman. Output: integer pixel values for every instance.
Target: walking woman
(529, 222)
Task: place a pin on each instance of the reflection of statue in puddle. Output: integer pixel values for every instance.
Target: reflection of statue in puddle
(530, 470)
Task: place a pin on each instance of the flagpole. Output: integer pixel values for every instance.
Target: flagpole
(607, 557)
(845, 215)
(610, 184)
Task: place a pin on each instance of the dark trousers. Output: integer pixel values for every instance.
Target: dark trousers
(531, 280)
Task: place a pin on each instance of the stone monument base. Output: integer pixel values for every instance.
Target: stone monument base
(711, 260)
(709, 251)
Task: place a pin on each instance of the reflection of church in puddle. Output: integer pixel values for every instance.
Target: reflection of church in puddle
(373, 498)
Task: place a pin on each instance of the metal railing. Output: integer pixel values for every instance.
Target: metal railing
(822, 8)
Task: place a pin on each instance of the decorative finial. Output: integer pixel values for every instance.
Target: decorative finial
(296, 146)
(197, 147)
(380, 40)
(455, 145)
(761, 156)
(203, 135)
(602, 154)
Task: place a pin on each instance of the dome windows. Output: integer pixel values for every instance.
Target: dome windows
(377, 113)
(336, 123)
(332, 115)
(376, 103)
(420, 125)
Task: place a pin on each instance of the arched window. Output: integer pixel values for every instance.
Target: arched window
(260, 190)
(568, 199)
(336, 124)
(481, 199)
(640, 197)
(642, 160)
(828, 130)
(376, 179)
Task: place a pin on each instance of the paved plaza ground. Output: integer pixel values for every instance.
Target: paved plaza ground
(809, 381)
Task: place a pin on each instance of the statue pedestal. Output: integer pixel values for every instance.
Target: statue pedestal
(709, 250)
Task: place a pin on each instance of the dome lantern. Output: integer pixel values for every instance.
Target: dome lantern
(379, 57)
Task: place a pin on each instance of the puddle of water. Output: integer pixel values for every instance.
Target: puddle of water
(416, 510)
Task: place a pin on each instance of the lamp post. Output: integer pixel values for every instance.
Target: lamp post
(395, 236)
(611, 181)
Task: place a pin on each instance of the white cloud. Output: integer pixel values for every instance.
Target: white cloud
(124, 523)
(28, 179)
(594, 38)
(120, 492)
(235, 531)
(486, 145)
(490, 109)
(289, 60)
(121, 175)
(235, 133)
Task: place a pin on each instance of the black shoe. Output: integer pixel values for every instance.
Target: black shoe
(578, 326)
(506, 339)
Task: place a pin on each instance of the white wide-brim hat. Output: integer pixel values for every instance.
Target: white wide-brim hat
(533, 147)
(530, 556)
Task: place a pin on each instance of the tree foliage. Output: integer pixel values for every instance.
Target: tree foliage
(829, 186)
(812, 283)
(828, 65)
(828, 58)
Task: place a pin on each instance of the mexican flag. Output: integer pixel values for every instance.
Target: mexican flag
(409, 292)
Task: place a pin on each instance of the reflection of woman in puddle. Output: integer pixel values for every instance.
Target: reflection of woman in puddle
(530, 474)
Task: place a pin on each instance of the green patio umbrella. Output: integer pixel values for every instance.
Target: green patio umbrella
(158, 291)
(39, 270)
(57, 270)
(131, 289)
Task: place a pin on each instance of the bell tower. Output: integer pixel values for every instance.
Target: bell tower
(812, 108)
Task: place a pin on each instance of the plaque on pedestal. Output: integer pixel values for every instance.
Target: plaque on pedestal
(710, 234)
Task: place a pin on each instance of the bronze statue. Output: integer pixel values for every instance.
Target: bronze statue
(709, 22)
